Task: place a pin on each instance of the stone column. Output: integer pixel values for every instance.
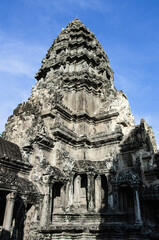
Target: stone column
(77, 190)
(115, 197)
(138, 219)
(90, 191)
(110, 195)
(70, 192)
(8, 215)
(24, 199)
(46, 205)
(63, 196)
(98, 193)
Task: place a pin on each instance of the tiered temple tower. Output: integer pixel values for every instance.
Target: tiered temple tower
(91, 164)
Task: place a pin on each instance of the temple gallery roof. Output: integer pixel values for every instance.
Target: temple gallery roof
(9, 150)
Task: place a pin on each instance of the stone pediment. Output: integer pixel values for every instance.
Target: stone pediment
(10, 180)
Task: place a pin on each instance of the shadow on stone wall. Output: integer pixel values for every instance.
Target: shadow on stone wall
(115, 225)
(17, 227)
(5, 235)
(119, 224)
(18, 219)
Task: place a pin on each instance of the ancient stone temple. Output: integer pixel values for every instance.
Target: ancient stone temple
(73, 164)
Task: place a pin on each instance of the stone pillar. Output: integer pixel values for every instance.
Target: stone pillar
(46, 205)
(110, 201)
(110, 195)
(115, 197)
(8, 215)
(90, 191)
(98, 193)
(77, 191)
(70, 192)
(24, 199)
(138, 219)
(63, 196)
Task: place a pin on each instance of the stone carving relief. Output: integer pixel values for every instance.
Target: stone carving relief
(13, 181)
(128, 176)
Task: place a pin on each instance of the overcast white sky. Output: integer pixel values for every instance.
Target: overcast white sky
(128, 30)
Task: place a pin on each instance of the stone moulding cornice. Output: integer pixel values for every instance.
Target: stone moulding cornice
(86, 55)
(55, 65)
(81, 42)
(79, 86)
(66, 44)
(59, 229)
(54, 174)
(44, 142)
(83, 84)
(90, 167)
(82, 74)
(66, 135)
(69, 116)
(76, 81)
(70, 45)
(86, 35)
(118, 229)
(127, 147)
(17, 165)
(70, 57)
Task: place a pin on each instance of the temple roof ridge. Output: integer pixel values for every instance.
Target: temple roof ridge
(76, 22)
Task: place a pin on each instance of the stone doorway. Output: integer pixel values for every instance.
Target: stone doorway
(57, 198)
(126, 202)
